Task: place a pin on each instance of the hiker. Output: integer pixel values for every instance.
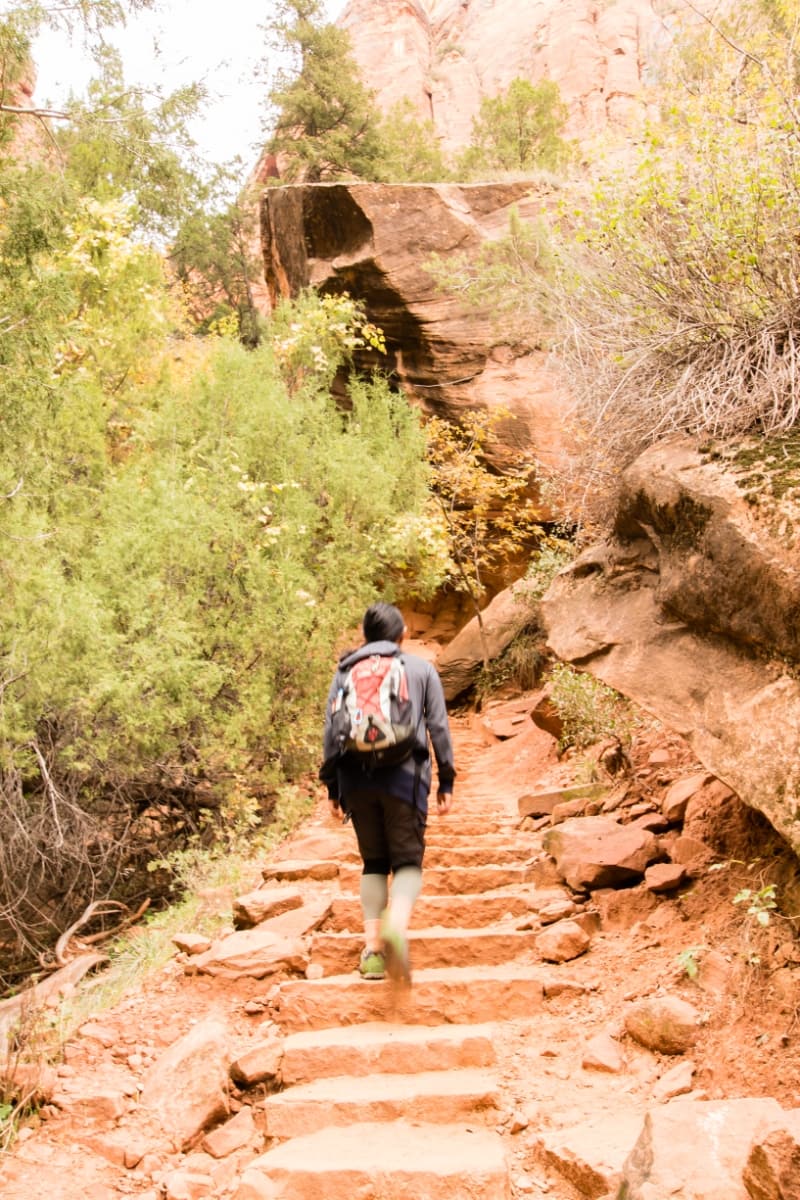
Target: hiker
(387, 799)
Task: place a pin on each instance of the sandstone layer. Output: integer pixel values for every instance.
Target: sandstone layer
(692, 608)
(378, 242)
(445, 56)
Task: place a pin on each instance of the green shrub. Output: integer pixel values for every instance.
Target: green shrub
(589, 710)
(185, 538)
(518, 131)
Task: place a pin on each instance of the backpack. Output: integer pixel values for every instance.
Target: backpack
(372, 716)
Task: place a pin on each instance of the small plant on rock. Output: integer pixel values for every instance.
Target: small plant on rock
(590, 710)
(689, 961)
(760, 903)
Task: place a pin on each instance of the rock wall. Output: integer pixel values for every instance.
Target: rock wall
(691, 607)
(376, 241)
(446, 55)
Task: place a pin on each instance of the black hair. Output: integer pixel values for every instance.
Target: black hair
(383, 623)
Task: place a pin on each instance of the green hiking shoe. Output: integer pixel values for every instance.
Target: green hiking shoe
(372, 964)
(398, 965)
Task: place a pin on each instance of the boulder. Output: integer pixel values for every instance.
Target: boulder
(603, 1053)
(677, 1081)
(262, 903)
(597, 852)
(697, 1150)
(539, 804)
(191, 943)
(773, 1165)
(185, 1090)
(678, 795)
(377, 242)
(690, 608)
(250, 953)
(461, 660)
(591, 1154)
(234, 1135)
(665, 877)
(260, 1062)
(562, 942)
(665, 1024)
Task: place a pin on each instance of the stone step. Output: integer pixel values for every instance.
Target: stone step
(442, 849)
(300, 868)
(385, 1162)
(446, 1097)
(379, 1047)
(338, 953)
(439, 996)
(461, 823)
(449, 881)
(468, 911)
(447, 854)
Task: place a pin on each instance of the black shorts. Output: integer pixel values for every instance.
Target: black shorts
(390, 832)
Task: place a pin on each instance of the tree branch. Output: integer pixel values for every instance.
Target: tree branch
(41, 113)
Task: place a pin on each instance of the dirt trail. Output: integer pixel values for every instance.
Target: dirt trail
(473, 1086)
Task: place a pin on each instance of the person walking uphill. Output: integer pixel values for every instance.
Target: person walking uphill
(377, 768)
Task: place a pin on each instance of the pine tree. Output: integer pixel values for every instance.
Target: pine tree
(327, 123)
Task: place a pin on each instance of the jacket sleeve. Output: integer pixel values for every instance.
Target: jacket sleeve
(330, 752)
(439, 729)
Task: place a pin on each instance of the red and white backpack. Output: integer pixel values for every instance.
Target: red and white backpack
(371, 714)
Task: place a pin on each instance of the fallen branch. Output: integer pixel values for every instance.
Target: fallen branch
(41, 993)
(98, 908)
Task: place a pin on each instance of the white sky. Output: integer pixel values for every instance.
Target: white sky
(218, 42)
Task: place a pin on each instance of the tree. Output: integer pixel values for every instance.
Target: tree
(326, 121)
(215, 255)
(518, 130)
(21, 21)
(123, 143)
(410, 151)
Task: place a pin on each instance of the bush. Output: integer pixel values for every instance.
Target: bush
(179, 577)
(589, 710)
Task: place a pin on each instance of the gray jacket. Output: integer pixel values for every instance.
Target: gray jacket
(409, 780)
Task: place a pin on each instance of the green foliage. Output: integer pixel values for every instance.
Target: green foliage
(760, 903)
(120, 143)
(553, 554)
(488, 514)
(589, 710)
(519, 666)
(326, 121)
(518, 131)
(314, 335)
(524, 660)
(215, 256)
(182, 538)
(410, 151)
(688, 961)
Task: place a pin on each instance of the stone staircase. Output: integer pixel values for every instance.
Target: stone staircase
(391, 1093)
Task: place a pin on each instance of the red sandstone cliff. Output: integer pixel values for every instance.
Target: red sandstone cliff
(447, 55)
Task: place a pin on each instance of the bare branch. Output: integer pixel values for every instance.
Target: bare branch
(10, 495)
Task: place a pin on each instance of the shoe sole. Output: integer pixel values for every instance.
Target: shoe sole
(398, 967)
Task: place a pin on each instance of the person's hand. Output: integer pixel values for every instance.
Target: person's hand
(336, 812)
(444, 802)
